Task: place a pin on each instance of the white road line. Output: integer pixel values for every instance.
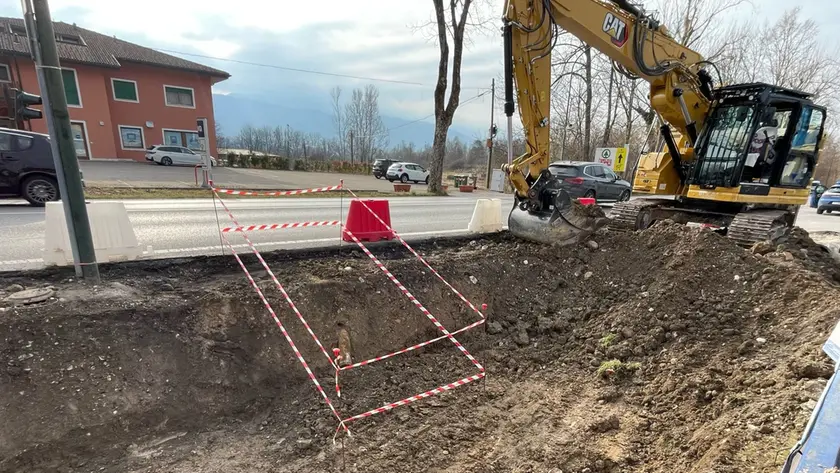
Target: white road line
(21, 262)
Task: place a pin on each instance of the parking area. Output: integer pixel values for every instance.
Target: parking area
(134, 174)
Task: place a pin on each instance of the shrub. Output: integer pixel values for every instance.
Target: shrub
(617, 368)
(607, 340)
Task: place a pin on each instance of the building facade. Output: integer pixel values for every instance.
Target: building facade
(122, 97)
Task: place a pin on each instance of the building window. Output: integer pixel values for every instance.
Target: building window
(70, 39)
(179, 96)
(187, 139)
(71, 87)
(131, 137)
(5, 73)
(124, 90)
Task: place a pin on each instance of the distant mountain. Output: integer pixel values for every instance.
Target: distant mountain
(234, 111)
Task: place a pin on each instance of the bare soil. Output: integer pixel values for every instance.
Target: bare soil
(668, 350)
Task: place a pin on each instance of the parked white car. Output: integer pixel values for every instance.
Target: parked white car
(169, 155)
(405, 172)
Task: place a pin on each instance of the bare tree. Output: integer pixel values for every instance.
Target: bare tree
(222, 141)
(451, 19)
(339, 121)
(375, 133)
(248, 138)
(700, 24)
(610, 113)
(364, 121)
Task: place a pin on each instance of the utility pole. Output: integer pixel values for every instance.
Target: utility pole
(288, 142)
(492, 133)
(35, 52)
(61, 133)
(352, 161)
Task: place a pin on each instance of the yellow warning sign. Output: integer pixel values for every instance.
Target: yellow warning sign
(620, 161)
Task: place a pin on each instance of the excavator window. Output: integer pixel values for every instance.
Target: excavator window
(800, 162)
(726, 136)
(768, 143)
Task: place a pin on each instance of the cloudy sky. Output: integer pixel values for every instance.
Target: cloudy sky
(369, 38)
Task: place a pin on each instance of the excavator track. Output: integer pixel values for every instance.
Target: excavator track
(748, 228)
(624, 216)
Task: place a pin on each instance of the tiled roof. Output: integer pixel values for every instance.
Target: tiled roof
(98, 49)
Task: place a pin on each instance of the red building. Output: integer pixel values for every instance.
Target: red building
(123, 98)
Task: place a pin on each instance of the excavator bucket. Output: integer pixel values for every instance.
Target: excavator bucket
(566, 223)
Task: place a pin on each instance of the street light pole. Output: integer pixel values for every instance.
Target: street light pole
(62, 134)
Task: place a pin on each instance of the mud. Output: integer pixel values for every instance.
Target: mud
(670, 349)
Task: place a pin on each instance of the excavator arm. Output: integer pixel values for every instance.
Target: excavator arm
(680, 89)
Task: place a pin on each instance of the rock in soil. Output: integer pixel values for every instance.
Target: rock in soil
(494, 328)
(605, 424)
(521, 338)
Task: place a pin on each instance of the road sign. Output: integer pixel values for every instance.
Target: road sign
(614, 158)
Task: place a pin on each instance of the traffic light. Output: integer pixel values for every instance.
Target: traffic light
(22, 102)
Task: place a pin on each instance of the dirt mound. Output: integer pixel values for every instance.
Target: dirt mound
(668, 349)
(799, 249)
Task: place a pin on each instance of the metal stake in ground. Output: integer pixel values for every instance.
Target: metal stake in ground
(63, 136)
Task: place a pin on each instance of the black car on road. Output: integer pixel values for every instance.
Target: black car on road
(380, 167)
(26, 167)
(588, 179)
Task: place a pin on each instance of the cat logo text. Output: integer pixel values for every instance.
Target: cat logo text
(616, 28)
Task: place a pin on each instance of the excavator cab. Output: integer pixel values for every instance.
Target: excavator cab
(759, 140)
(748, 170)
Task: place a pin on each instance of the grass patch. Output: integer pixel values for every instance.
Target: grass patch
(95, 193)
(617, 368)
(607, 340)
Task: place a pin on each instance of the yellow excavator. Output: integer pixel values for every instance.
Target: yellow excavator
(739, 158)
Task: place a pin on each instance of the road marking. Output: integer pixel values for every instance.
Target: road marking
(20, 262)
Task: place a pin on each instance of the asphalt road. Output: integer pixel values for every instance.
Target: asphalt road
(134, 174)
(172, 228)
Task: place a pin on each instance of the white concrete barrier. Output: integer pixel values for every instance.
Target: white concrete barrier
(487, 216)
(113, 235)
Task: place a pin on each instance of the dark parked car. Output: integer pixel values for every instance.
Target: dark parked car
(26, 167)
(380, 167)
(587, 179)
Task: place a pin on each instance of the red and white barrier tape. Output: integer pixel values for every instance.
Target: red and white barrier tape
(411, 348)
(408, 400)
(279, 286)
(281, 226)
(422, 260)
(276, 193)
(286, 335)
(414, 300)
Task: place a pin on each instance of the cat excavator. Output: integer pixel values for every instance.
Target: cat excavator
(738, 158)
